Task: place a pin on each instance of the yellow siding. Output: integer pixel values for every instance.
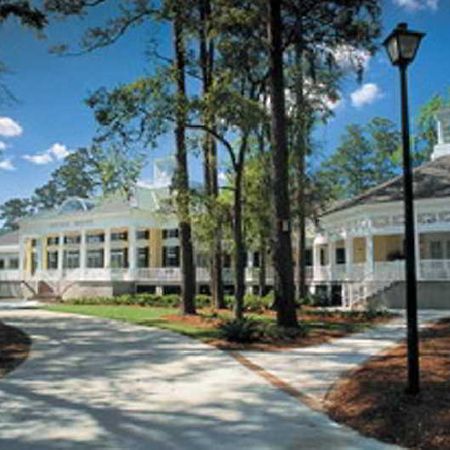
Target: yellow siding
(386, 245)
(28, 251)
(359, 250)
(155, 247)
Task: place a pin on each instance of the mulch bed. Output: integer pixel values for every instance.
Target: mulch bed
(14, 348)
(373, 401)
(318, 325)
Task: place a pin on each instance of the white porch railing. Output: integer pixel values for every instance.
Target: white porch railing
(10, 275)
(434, 269)
(389, 271)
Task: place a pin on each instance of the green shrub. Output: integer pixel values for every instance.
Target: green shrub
(256, 304)
(250, 330)
(203, 301)
(240, 330)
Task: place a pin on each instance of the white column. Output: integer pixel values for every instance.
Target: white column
(370, 266)
(316, 261)
(250, 259)
(38, 250)
(332, 258)
(349, 257)
(22, 255)
(60, 253)
(132, 250)
(107, 248)
(417, 248)
(83, 253)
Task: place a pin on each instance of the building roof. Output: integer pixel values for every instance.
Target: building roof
(146, 198)
(10, 238)
(431, 180)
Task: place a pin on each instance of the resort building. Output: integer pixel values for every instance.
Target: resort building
(129, 243)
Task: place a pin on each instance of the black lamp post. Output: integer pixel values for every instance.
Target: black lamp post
(401, 46)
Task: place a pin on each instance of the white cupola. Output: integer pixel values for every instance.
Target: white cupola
(442, 148)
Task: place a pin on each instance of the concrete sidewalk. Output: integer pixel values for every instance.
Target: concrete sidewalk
(98, 384)
(312, 371)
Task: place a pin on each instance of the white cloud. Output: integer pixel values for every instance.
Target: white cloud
(7, 164)
(365, 95)
(59, 151)
(415, 5)
(2, 146)
(55, 153)
(39, 158)
(9, 127)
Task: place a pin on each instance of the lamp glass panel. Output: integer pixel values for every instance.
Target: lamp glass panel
(408, 46)
(393, 50)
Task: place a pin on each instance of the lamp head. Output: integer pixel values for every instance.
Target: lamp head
(402, 45)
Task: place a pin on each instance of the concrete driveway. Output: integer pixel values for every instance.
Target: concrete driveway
(99, 384)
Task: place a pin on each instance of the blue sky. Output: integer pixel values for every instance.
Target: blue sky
(50, 118)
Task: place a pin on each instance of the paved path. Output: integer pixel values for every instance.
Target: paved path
(99, 384)
(313, 370)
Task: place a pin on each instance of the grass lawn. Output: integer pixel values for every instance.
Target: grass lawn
(372, 399)
(320, 326)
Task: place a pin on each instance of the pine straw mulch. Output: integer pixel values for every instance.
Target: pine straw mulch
(14, 348)
(321, 328)
(372, 398)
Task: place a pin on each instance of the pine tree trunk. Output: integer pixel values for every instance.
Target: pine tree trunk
(210, 156)
(262, 285)
(300, 150)
(284, 289)
(188, 282)
(239, 247)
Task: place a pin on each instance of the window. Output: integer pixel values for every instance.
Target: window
(171, 256)
(95, 259)
(436, 250)
(52, 260)
(227, 260)
(14, 263)
(2, 264)
(323, 257)
(142, 234)
(34, 262)
(71, 259)
(119, 258)
(53, 240)
(340, 256)
(119, 236)
(170, 233)
(256, 261)
(447, 256)
(33, 242)
(142, 257)
(308, 257)
(95, 238)
(72, 239)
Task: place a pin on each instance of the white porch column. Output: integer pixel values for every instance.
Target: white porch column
(60, 253)
(83, 253)
(250, 260)
(370, 266)
(332, 258)
(316, 261)
(107, 248)
(417, 246)
(22, 256)
(132, 250)
(349, 258)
